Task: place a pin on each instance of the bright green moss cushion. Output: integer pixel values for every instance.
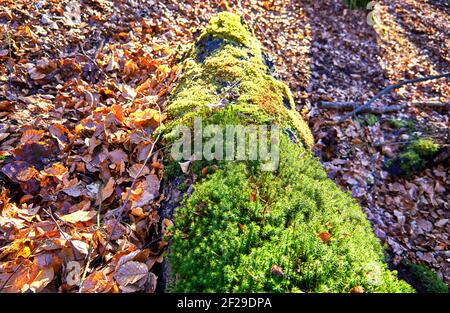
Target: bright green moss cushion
(228, 240)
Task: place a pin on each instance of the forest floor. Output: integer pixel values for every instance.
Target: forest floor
(82, 89)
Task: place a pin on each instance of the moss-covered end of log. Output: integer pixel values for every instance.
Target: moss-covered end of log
(227, 54)
(247, 230)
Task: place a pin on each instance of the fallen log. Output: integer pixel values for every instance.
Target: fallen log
(392, 87)
(349, 106)
(254, 221)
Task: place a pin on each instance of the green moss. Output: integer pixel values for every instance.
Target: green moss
(220, 58)
(239, 221)
(424, 147)
(371, 119)
(357, 4)
(227, 240)
(413, 158)
(183, 187)
(172, 170)
(230, 26)
(428, 279)
(368, 120)
(397, 123)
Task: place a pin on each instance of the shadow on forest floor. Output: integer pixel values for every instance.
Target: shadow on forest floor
(423, 32)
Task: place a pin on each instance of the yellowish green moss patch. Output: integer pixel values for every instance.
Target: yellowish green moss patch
(233, 58)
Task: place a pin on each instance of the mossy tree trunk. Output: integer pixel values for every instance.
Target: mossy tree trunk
(245, 229)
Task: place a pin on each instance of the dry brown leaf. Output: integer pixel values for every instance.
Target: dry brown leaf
(357, 289)
(130, 272)
(31, 135)
(79, 216)
(44, 277)
(126, 258)
(151, 282)
(98, 281)
(57, 170)
(146, 191)
(135, 168)
(108, 189)
(277, 270)
(80, 246)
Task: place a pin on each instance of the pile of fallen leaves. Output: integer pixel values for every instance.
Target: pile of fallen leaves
(80, 99)
(82, 87)
(410, 215)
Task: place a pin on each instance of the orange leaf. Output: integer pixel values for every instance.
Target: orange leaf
(118, 112)
(97, 282)
(145, 117)
(43, 278)
(130, 67)
(253, 196)
(59, 131)
(325, 236)
(26, 174)
(57, 170)
(31, 135)
(78, 216)
(157, 165)
(144, 86)
(108, 189)
(277, 270)
(357, 289)
(25, 199)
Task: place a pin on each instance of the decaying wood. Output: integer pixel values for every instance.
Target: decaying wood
(392, 87)
(347, 106)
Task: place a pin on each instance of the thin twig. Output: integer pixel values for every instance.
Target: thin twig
(153, 241)
(150, 153)
(387, 89)
(345, 106)
(93, 61)
(122, 208)
(89, 256)
(99, 211)
(86, 267)
(57, 225)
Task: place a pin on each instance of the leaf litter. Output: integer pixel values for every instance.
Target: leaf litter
(82, 89)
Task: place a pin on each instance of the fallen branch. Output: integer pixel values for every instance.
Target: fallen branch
(346, 106)
(91, 245)
(387, 89)
(150, 153)
(122, 208)
(94, 62)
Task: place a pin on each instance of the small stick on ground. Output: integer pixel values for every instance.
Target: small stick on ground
(387, 89)
(122, 208)
(57, 225)
(89, 256)
(346, 106)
